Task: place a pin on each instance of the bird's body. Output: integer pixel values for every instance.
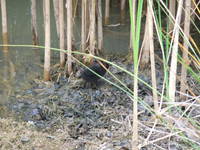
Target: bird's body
(97, 67)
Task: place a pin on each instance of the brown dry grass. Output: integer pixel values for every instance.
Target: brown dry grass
(12, 134)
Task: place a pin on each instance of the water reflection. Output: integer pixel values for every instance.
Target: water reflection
(16, 71)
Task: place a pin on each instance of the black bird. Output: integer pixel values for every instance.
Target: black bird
(98, 67)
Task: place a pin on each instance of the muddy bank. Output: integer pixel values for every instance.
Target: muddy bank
(65, 115)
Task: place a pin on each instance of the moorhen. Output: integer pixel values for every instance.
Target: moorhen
(90, 78)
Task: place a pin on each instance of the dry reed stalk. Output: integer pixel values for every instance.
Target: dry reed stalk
(4, 25)
(47, 56)
(83, 25)
(92, 27)
(61, 31)
(34, 22)
(185, 52)
(173, 66)
(122, 11)
(151, 44)
(144, 61)
(100, 25)
(172, 9)
(69, 35)
(56, 14)
(107, 12)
